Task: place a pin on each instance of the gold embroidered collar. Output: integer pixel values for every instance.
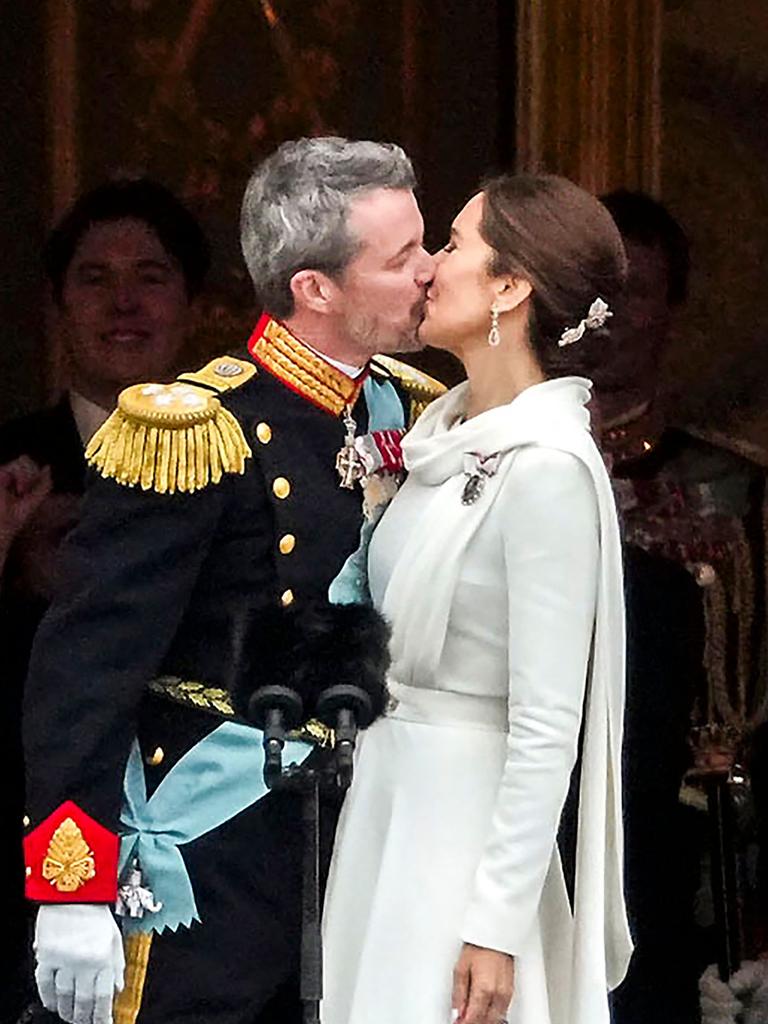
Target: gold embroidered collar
(299, 368)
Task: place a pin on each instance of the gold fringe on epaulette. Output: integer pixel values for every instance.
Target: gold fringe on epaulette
(417, 408)
(167, 458)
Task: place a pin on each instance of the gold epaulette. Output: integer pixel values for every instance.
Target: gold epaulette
(174, 437)
(419, 386)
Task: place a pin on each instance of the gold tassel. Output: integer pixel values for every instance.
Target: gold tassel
(128, 1002)
(181, 445)
(744, 600)
(715, 616)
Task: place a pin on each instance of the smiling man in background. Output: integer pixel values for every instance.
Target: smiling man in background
(124, 266)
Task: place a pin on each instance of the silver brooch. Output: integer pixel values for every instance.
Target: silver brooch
(477, 469)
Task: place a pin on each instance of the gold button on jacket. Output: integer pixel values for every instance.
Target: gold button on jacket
(281, 488)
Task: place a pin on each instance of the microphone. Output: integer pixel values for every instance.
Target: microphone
(324, 660)
(346, 708)
(275, 710)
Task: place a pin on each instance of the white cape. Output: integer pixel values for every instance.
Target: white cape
(553, 415)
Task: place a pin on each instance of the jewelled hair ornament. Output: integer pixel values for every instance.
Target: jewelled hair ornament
(596, 317)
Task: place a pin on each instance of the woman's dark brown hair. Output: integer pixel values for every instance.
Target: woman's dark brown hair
(564, 242)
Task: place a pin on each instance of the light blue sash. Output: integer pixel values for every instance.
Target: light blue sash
(215, 780)
(385, 410)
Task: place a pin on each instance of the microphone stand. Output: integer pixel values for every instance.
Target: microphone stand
(275, 708)
(311, 978)
(307, 782)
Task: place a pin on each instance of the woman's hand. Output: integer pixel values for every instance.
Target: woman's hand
(483, 985)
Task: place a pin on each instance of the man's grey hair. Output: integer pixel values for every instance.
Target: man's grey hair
(296, 205)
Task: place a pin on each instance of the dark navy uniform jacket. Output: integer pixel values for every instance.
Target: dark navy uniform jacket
(155, 585)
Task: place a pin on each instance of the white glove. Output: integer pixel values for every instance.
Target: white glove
(80, 961)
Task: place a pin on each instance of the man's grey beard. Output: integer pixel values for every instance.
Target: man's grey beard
(370, 339)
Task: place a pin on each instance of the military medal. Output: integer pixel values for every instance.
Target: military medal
(134, 899)
(349, 464)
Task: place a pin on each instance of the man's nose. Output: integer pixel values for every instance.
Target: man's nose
(125, 293)
(426, 268)
(124, 296)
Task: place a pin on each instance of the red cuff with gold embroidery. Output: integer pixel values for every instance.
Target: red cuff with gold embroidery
(71, 858)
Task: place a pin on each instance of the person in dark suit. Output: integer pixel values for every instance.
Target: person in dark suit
(125, 265)
(691, 504)
(221, 510)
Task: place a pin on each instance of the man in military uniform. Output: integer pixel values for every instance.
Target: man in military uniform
(217, 501)
(691, 506)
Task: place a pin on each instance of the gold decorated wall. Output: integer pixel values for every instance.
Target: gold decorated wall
(588, 96)
(665, 95)
(195, 92)
(669, 96)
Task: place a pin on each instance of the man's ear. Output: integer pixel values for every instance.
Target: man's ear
(314, 290)
(511, 292)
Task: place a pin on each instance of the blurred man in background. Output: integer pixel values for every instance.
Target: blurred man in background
(691, 508)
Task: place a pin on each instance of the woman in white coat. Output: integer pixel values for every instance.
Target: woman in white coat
(498, 567)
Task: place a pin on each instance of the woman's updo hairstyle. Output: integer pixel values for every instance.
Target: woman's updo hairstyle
(562, 240)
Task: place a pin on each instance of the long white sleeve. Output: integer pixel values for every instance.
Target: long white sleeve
(547, 511)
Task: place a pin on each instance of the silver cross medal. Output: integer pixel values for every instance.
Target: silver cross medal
(349, 465)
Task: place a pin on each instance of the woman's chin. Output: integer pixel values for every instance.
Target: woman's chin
(429, 335)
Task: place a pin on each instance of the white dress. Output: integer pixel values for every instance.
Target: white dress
(448, 834)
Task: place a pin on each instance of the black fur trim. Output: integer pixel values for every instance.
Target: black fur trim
(310, 649)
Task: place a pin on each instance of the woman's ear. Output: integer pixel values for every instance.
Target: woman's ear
(510, 293)
(314, 290)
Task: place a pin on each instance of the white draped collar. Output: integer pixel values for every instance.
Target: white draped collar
(434, 449)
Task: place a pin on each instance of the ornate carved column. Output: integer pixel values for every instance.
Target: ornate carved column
(61, 39)
(588, 91)
(62, 147)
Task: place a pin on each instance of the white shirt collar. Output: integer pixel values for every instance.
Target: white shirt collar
(351, 371)
(88, 416)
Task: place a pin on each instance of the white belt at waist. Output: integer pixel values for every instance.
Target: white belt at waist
(446, 707)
